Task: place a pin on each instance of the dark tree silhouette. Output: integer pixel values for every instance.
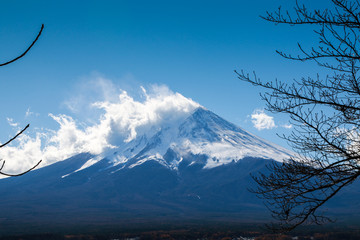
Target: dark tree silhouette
(325, 113)
(18, 134)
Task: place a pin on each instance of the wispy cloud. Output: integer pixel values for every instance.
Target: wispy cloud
(95, 89)
(11, 122)
(29, 113)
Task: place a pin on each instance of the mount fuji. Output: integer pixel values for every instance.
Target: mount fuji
(203, 133)
(196, 169)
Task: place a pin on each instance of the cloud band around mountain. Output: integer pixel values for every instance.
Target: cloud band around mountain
(119, 120)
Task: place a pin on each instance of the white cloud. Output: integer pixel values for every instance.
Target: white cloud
(11, 122)
(119, 119)
(261, 120)
(287, 126)
(28, 113)
(350, 137)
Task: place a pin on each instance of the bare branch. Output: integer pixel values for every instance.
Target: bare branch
(18, 134)
(325, 113)
(19, 174)
(26, 51)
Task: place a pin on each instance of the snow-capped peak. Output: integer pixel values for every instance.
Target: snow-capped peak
(202, 133)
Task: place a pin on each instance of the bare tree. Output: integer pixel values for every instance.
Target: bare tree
(325, 113)
(18, 134)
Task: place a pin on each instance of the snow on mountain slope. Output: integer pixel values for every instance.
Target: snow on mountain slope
(201, 133)
(206, 133)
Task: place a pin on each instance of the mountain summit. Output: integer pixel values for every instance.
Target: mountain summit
(203, 133)
(197, 167)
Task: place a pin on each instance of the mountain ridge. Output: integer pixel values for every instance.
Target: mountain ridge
(203, 132)
(195, 170)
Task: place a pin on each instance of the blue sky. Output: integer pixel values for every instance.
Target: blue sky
(192, 47)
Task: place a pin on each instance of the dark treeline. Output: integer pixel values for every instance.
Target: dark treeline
(191, 234)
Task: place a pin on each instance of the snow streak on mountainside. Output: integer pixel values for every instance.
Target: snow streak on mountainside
(202, 133)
